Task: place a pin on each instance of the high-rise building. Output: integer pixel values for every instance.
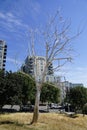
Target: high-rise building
(36, 65)
(28, 66)
(3, 51)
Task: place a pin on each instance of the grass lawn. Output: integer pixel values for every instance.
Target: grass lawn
(47, 121)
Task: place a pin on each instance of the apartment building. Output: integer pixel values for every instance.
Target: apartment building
(3, 52)
(36, 65)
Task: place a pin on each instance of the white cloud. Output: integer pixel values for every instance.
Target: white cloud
(10, 21)
(13, 63)
(2, 15)
(35, 7)
(13, 60)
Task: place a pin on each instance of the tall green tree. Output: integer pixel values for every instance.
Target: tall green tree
(28, 88)
(20, 88)
(77, 97)
(50, 93)
(2, 89)
(16, 88)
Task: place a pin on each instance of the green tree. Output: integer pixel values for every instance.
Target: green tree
(14, 88)
(84, 111)
(28, 88)
(49, 93)
(20, 88)
(77, 97)
(2, 89)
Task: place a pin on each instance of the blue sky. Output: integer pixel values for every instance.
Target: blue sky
(17, 17)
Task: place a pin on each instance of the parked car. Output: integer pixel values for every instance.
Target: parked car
(26, 108)
(53, 106)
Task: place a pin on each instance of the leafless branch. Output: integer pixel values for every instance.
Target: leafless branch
(57, 41)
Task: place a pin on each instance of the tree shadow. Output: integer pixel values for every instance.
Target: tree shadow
(11, 123)
(6, 122)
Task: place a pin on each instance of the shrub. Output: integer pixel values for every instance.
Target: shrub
(85, 109)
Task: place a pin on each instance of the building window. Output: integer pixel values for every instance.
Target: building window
(41, 62)
(41, 68)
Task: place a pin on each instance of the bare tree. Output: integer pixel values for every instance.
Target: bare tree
(57, 42)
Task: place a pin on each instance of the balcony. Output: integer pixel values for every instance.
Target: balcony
(3, 69)
(3, 65)
(5, 49)
(4, 57)
(5, 46)
(4, 60)
(5, 53)
(31, 62)
(30, 65)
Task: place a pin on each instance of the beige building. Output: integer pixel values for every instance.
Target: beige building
(36, 65)
(40, 63)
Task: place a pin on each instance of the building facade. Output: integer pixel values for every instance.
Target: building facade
(35, 66)
(3, 52)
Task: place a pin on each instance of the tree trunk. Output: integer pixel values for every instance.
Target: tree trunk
(36, 107)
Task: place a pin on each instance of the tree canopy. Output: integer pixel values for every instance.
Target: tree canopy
(2, 88)
(50, 93)
(77, 97)
(19, 88)
(16, 88)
